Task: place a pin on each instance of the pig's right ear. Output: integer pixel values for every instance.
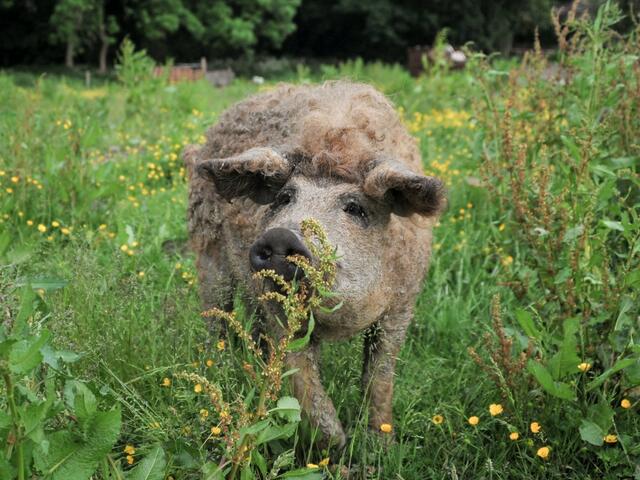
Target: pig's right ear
(257, 173)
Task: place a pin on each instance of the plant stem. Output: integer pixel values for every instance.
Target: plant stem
(16, 424)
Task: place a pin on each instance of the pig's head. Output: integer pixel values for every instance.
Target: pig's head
(356, 215)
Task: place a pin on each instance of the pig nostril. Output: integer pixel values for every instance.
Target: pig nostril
(265, 254)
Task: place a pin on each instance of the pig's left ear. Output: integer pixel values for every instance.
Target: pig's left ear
(257, 173)
(407, 192)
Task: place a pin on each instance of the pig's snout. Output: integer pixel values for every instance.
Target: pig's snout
(271, 250)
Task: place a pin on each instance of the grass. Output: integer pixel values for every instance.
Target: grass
(92, 212)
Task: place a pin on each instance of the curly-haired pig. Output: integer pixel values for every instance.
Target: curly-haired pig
(336, 152)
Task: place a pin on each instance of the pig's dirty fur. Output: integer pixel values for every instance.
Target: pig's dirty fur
(323, 149)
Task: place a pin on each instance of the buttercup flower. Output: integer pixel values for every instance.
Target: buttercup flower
(543, 452)
(386, 428)
(312, 465)
(220, 345)
(130, 459)
(197, 388)
(473, 420)
(514, 436)
(625, 403)
(209, 363)
(166, 382)
(495, 409)
(324, 462)
(611, 438)
(535, 427)
(216, 431)
(437, 419)
(584, 367)
(129, 450)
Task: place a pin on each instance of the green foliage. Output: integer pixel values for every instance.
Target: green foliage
(39, 431)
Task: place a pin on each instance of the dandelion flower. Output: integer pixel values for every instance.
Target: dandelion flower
(495, 409)
(584, 367)
(473, 420)
(386, 428)
(166, 382)
(220, 345)
(514, 436)
(437, 419)
(611, 438)
(129, 450)
(216, 431)
(625, 403)
(535, 427)
(543, 452)
(197, 388)
(130, 459)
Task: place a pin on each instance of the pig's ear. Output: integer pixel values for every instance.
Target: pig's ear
(257, 173)
(407, 192)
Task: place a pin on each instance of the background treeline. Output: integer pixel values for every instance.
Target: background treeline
(86, 31)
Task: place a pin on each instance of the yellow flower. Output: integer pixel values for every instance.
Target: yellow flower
(124, 247)
(324, 462)
(514, 436)
(508, 260)
(102, 226)
(42, 228)
(495, 409)
(220, 345)
(55, 224)
(141, 274)
(543, 452)
(312, 465)
(15, 179)
(197, 388)
(473, 420)
(30, 223)
(584, 367)
(501, 227)
(535, 427)
(209, 363)
(130, 459)
(625, 403)
(611, 438)
(204, 413)
(166, 382)
(386, 428)
(129, 450)
(437, 419)
(65, 231)
(216, 431)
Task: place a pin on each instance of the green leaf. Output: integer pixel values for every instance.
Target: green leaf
(566, 360)
(27, 307)
(613, 225)
(152, 467)
(259, 461)
(300, 343)
(25, 354)
(303, 474)
(619, 365)
(6, 469)
(276, 432)
(288, 408)
(557, 389)
(591, 433)
(74, 457)
(525, 319)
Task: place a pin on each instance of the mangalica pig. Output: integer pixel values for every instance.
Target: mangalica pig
(338, 153)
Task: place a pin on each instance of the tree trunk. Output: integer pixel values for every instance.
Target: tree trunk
(68, 57)
(104, 48)
(104, 43)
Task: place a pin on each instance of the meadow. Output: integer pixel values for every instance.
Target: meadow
(523, 359)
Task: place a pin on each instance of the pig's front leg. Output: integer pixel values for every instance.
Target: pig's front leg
(311, 394)
(382, 343)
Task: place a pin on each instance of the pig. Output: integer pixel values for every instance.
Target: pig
(339, 153)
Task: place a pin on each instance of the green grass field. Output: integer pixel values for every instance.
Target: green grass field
(543, 212)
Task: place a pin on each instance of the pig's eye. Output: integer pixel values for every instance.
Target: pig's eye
(283, 198)
(356, 210)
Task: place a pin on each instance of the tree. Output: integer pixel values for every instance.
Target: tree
(106, 29)
(67, 22)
